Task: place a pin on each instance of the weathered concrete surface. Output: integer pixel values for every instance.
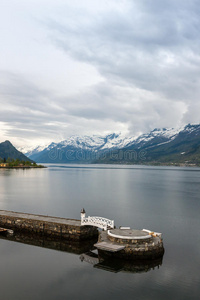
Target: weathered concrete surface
(69, 229)
(108, 246)
(40, 218)
(133, 251)
(132, 233)
(129, 236)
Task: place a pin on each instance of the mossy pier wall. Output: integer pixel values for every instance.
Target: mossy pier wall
(54, 227)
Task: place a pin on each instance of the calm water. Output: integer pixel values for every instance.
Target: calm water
(163, 199)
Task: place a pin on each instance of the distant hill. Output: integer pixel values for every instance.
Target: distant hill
(7, 150)
(159, 146)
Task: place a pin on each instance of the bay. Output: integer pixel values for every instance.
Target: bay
(163, 199)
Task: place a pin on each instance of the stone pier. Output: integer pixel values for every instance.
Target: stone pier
(131, 244)
(69, 229)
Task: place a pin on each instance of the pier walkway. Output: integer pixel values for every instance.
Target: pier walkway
(41, 218)
(70, 229)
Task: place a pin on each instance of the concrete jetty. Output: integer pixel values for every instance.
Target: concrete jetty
(123, 242)
(55, 227)
(126, 243)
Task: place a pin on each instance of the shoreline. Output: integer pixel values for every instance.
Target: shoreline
(128, 164)
(24, 167)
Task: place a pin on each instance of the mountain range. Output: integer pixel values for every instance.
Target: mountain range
(159, 146)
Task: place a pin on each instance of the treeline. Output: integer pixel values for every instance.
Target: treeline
(9, 162)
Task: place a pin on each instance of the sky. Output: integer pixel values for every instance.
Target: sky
(87, 67)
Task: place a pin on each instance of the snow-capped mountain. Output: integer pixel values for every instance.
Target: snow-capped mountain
(31, 150)
(86, 144)
(90, 148)
(162, 146)
(94, 142)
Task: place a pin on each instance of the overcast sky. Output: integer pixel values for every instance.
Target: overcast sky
(87, 67)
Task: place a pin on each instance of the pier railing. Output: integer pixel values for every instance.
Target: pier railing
(99, 222)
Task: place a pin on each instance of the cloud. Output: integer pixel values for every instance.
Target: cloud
(152, 45)
(32, 113)
(125, 66)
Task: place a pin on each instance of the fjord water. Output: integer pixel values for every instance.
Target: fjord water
(163, 199)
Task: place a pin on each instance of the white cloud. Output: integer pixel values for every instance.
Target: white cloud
(84, 67)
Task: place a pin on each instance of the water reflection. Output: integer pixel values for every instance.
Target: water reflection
(119, 265)
(164, 199)
(47, 242)
(86, 251)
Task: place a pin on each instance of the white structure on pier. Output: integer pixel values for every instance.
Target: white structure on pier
(99, 222)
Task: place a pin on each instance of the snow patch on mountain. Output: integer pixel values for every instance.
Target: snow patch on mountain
(95, 142)
(168, 133)
(113, 141)
(83, 142)
(32, 149)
